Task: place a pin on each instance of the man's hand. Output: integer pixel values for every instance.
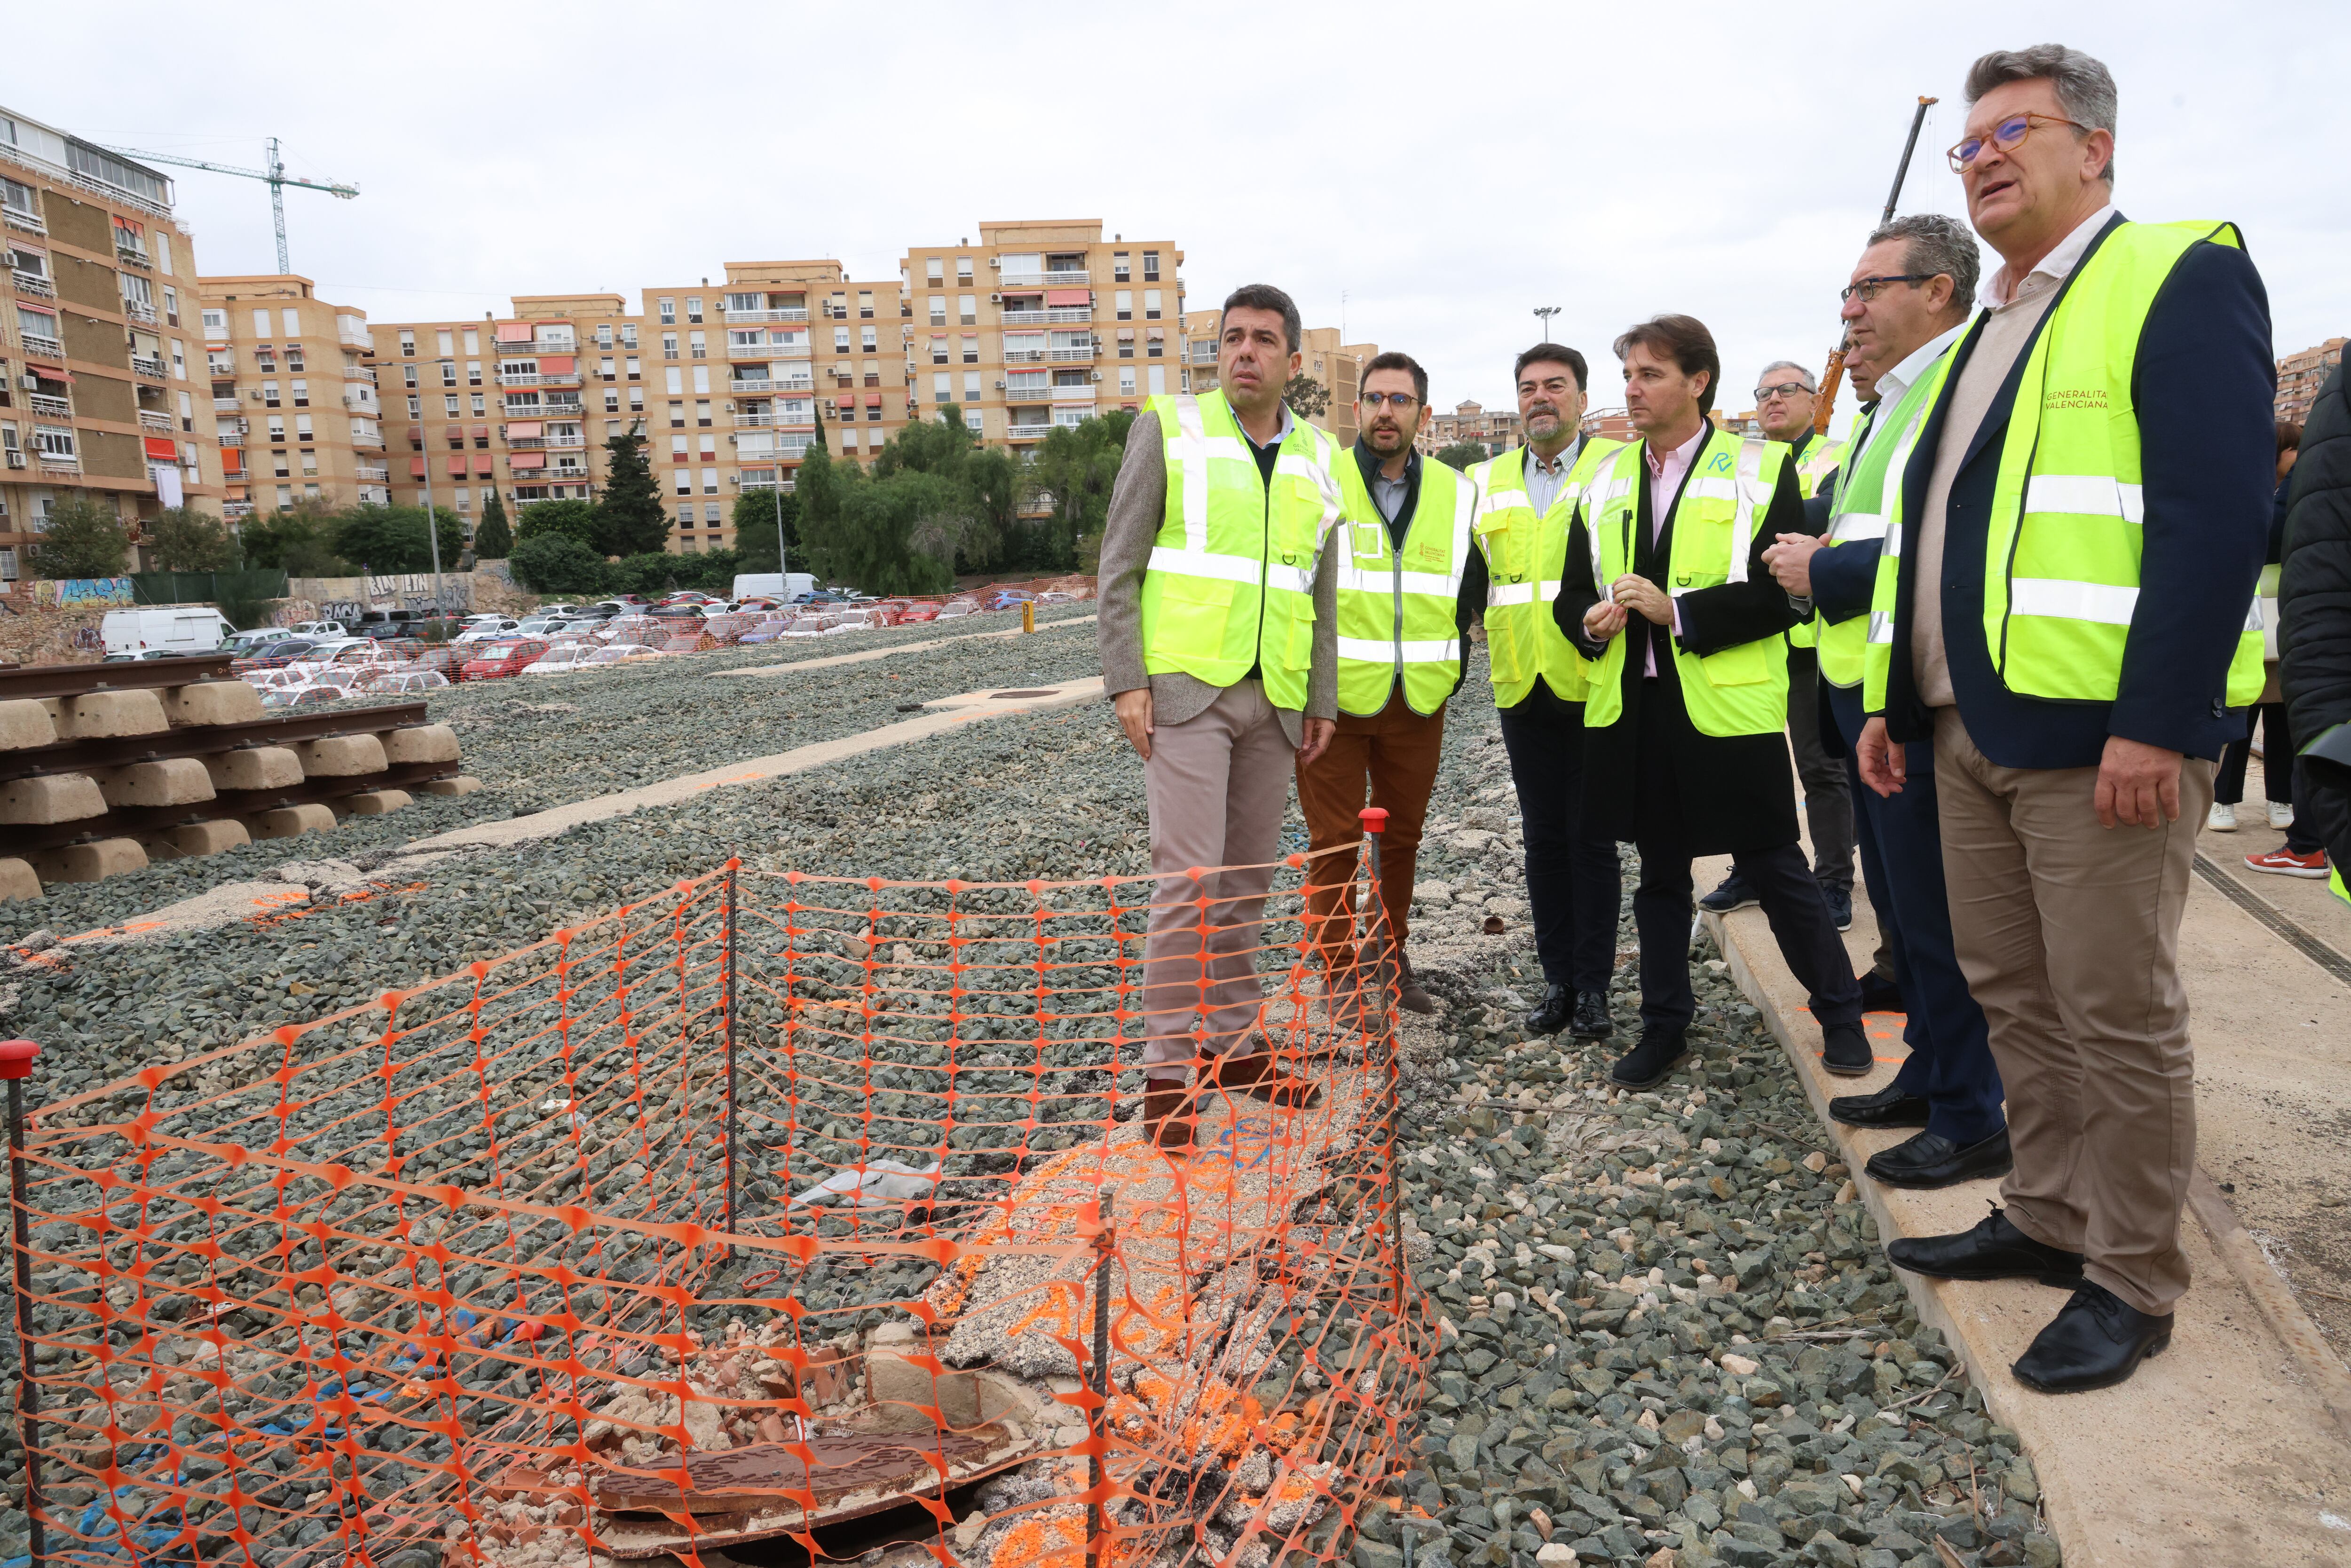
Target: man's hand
(2137, 784)
(1643, 598)
(1604, 619)
(1133, 709)
(1884, 766)
(1317, 733)
(1790, 561)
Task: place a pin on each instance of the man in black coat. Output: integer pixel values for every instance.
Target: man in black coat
(2314, 616)
(1650, 776)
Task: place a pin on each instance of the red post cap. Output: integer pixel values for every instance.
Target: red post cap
(16, 1058)
(1375, 819)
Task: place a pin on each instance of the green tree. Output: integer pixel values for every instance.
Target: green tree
(381, 540)
(629, 519)
(82, 539)
(1462, 455)
(574, 521)
(189, 540)
(1307, 397)
(1073, 471)
(492, 539)
(755, 528)
(555, 562)
(297, 541)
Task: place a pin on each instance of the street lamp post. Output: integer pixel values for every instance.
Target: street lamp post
(1543, 313)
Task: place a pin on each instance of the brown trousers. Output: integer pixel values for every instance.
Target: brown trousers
(1392, 756)
(2069, 935)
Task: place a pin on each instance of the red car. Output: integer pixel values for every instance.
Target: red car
(923, 611)
(497, 661)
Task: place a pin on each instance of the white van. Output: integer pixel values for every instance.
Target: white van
(176, 628)
(787, 586)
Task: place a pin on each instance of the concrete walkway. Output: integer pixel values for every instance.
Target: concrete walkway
(865, 656)
(2234, 1447)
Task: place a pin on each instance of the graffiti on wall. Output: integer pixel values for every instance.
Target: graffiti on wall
(414, 591)
(80, 592)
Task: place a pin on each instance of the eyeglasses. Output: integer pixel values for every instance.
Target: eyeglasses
(1869, 288)
(1398, 400)
(1787, 390)
(2007, 136)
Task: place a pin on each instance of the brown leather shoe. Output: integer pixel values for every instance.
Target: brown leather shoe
(1254, 1075)
(1409, 994)
(1167, 1118)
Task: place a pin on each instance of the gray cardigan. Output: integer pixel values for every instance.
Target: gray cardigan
(1138, 506)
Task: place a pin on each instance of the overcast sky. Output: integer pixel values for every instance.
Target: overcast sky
(1445, 171)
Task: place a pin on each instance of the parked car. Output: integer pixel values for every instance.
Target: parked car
(918, 613)
(767, 631)
(307, 696)
(145, 653)
(1009, 598)
(281, 653)
(404, 682)
(622, 654)
(680, 611)
(562, 659)
(244, 645)
(497, 661)
(488, 629)
(319, 629)
(1051, 598)
(954, 609)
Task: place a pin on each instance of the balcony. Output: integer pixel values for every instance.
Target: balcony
(1073, 394)
(225, 406)
(133, 258)
(761, 388)
(1030, 394)
(151, 419)
(1027, 432)
(1043, 317)
(780, 313)
(364, 341)
(756, 351)
(361, 402)
(141, 365)
(359, 373)
(144, 314)
(39, 287)
(546, 442)
(543, 411)
(232, 438)
(55, 407)
(57, 463)
(17, 218)
(1081, 355)
(520, 377)
(753, 421)
(236, 508)
(1074, 278)
(1024, 356)
(39, 346)
(371, 474)
(375, 495)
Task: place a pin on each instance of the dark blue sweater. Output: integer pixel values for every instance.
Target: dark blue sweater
(2203, 385)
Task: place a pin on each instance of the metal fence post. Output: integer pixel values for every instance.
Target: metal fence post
(1098, 1418)
(729, 1124)
(1375, 822)
(16, 1063)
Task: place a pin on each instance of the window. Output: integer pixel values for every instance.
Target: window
(674, 379)
(1158, 379)
(971, 420)
(57, 440)
(302, 427)
(448, 372)
(971, 347)
(309, 463)
(171, 305)
(301, 390)
(942, 387)
(636, 400)
(868, 341)
(685, 515)
(1150, 304)
(840, 306)
(179, 360)
(693, 308)
(627, 334)
(709, 447)
(669, 312)
(699, 343)
(701, 414)
(635, 367)
(293, 319)
(710, 481)
(269, 398)
(480, 403)
(701, 378)
(612, 400)
(1127, 344)
(18, 199)
(685, 484)
(1118, 267)
(840, 339)
(216, 324)
(464, 501)
(865, 304)
(669, 345)
(677, 448)
(604, 368)
(604, 335)
(746, 302)
(415, 406)
(1126, 381)
(449, 404)
(1150, 266)
(935, 268)
(408, 375)
(285, 496)
(1157, 341)
(407, 342)
(446, 341)
(971, 386)
(939, 348)
(1126, 298)
(677, 419)
(261, 325)
(967, 307)
(939, 309)
(473, 372)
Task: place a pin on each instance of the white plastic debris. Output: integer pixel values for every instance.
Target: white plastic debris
(876, 1182)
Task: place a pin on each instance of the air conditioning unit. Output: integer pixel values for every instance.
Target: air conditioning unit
(15, 458)
(31, 382)
(254, 396)
(996, 299)
(997, 262)
(999, 386)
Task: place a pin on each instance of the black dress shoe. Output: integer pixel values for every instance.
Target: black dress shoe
(1889, 1107)
(1735, 892)
(1558, 1007)
(1647, 1062)
(2096, 1341)
(1592, 1022)
(1994, 1250)
(1844, 1050)
(1880, 995)
(1932, 1160)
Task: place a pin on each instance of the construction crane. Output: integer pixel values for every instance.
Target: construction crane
(275, 175)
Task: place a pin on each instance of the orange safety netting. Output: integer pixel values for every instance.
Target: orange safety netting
(774, 1208)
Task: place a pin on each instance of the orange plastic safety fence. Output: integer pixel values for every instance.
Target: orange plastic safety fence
(817, 1211)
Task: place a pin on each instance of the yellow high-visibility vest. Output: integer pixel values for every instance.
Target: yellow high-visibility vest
(1525, 555)
(1396, 605)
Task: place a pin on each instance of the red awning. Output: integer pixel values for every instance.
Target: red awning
(514, 332)
(1068, 297)
(520, 460)
(162, 450)
(416, 467)
(417, 435)
(482, 463)
(454, 432)
(524, 430)
(233, 461)
(36, 310)
(873, 400)
(481, 433)
(556, 365)
(457, 465)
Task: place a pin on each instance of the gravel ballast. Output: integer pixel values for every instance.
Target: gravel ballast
(1666, 1324)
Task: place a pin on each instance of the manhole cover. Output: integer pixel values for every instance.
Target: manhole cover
(999, 696)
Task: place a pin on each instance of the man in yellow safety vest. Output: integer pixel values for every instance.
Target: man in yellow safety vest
(2067, 615)
(1216, 629)
(1401, 555)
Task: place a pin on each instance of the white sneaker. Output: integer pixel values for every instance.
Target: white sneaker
(2280, 815)
(2223, 819)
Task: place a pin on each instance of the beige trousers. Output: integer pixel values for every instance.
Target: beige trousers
(1216, 784)
(2069, 935)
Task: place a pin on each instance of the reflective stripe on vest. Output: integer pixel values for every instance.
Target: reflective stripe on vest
(1525, 557)
(1231, 575)
(2062, 553)
(1820, 455)
(1740, 690)
(1867, 498)
(1396, 624)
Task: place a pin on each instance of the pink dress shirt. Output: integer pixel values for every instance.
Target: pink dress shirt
(1665, 482)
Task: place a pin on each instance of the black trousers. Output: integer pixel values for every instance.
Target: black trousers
(2277, 781)
(1783, 884)
(1828, 797)
(1574, 881)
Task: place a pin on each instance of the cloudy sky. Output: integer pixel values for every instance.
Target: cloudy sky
(1435, 174)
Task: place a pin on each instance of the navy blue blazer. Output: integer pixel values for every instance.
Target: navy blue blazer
(2203, 385)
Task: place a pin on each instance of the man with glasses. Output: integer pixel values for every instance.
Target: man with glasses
(1904, 311)
(2070, 623)
(1526, 499)
(1401, 550)
(1785, 399)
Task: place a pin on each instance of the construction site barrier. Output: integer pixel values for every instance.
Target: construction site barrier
(776, 1208)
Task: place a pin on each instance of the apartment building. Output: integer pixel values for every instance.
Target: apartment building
(1497, 430)
(1042, 323)
(2301, 376)
(295, 402)
(97, 398)
(862, 349)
